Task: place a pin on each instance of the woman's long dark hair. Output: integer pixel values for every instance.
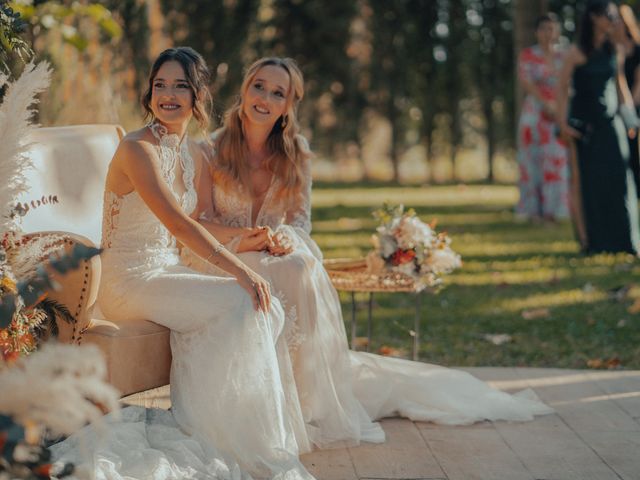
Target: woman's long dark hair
(585, 39)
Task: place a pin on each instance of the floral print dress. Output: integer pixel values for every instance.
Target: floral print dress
(542, 156)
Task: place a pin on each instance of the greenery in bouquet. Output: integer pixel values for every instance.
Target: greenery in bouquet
(405, 244)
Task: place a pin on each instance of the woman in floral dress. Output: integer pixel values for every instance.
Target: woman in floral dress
(542, 156)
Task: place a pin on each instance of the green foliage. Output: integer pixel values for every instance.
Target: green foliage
(67, 19)
(12, 27)
(54, 311)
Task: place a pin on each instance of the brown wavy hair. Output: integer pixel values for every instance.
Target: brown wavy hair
(198, 75)
(288, 149)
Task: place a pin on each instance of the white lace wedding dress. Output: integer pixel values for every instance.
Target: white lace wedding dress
(342, 392)
(235, 411)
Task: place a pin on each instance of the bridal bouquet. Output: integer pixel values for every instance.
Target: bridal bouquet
(405, 244)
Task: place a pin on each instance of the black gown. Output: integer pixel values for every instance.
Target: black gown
(631, 63)
(608, 194)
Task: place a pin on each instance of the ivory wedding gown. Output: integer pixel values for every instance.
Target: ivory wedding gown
(342, 392)
(235, 411)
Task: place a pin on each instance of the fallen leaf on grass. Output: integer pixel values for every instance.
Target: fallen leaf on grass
(621, 323)
(554, 280)
(599, 363)
(497, 338)
(595, 363)
(613, 363)
(535, 313)
(388, 351)
(588, 287)
(635, 307)
(360, 343)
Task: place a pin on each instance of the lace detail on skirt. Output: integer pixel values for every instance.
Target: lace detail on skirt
(292, 331)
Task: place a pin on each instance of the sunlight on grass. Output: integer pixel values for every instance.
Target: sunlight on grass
(418, 196)
(542, 275)
(499, 249)
(443, 220)
(553, 299)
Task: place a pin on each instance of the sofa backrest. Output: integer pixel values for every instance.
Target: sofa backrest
(71, 164)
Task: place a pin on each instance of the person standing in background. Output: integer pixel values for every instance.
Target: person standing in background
(607, 206)
(628, 36)
(542, 156)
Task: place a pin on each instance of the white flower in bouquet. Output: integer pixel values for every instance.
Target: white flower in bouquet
(408, 268)
(412, 232)
(443, 260)
(388, 245)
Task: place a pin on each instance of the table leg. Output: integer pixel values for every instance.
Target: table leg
(353, 319)
(416, 328)
(369, 321)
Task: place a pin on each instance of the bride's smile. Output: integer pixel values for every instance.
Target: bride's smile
(266, 99)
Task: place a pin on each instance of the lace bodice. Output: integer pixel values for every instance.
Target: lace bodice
(132, 235)
(234, 208)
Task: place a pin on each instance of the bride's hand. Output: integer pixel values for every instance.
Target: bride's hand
(281, 245)
(257, 287)
(256, 239)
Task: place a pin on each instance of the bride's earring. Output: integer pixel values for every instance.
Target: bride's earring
(284, 121)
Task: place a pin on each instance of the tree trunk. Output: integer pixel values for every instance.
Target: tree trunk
(393, 120)
(491, 147)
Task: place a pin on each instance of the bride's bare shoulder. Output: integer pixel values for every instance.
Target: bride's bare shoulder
(135, 149)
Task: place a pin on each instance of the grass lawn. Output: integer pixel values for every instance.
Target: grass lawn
(560, 308)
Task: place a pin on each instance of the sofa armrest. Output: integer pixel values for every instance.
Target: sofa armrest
(78, 288)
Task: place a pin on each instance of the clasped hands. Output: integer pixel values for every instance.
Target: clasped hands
(264, 239)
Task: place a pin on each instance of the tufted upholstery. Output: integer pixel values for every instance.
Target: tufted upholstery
(71, 163)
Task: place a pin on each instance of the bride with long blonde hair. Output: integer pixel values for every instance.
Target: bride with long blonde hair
(258, 203)
(284, 145)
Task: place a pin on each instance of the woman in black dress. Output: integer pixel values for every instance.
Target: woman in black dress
(607, 209)
(628, 35)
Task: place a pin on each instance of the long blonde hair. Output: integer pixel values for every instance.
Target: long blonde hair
(287, 148)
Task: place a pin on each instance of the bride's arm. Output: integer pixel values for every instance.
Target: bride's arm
(298, 215)
(138, 161)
